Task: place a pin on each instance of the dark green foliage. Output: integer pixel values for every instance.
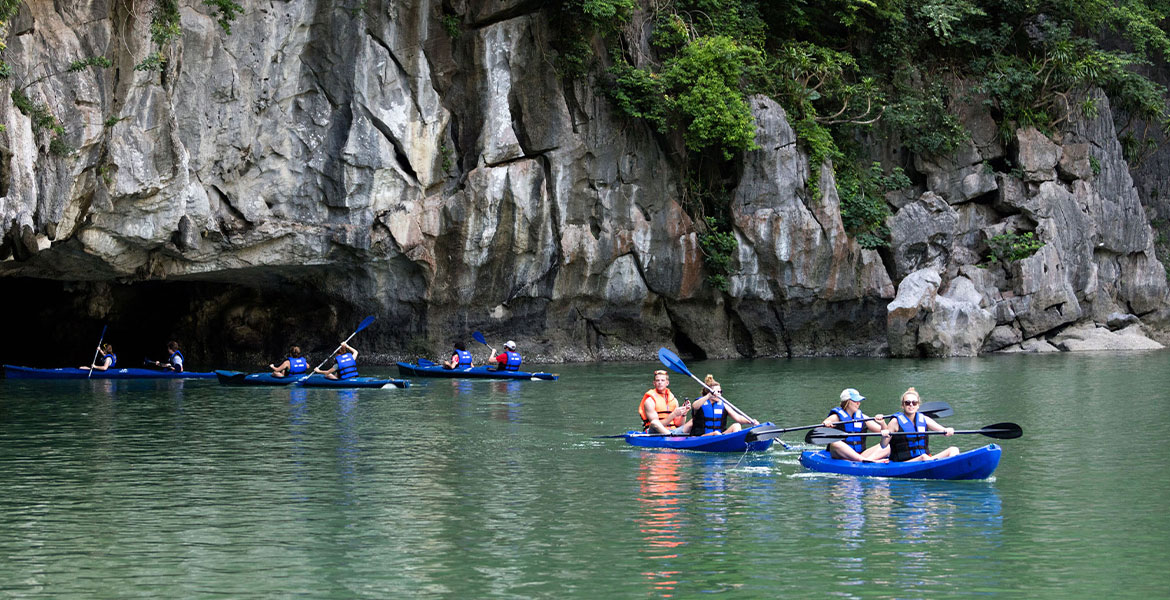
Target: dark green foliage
(863, 205)
(451, 25)
(42, 120)
(718, 253)
(1010, 247)
(638, 93)
(227, 10)
(93, 61)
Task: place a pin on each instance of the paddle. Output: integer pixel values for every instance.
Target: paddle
(477, 336)
(97, 352)
(934, 410)
(365, 323)
(672, 360)
(422, 362)
(827, 435)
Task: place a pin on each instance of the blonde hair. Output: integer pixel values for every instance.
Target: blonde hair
(911, 392)
(709, 380)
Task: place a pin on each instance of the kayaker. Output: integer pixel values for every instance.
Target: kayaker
(106, 359)
(659, 408)
(345, 363)
(709, 414)
(174, 358)
(295, 364)
(509, 359)
(460, 358)
(904, 448)
(853, 448)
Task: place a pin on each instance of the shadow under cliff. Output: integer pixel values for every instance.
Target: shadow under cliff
(58, 323)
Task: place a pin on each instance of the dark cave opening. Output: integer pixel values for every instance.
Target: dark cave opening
(217, 324)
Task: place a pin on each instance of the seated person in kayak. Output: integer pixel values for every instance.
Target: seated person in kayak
(460, 358)
(106, 359)
(659, 408)
(849, 418)
(345, 363)
(295, 364)
(509, 359)
(910, 447)
(174, 358)
(710, 414)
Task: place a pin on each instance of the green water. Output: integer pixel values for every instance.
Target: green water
(498, 489)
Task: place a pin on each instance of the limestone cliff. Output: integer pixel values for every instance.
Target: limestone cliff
(322, 163)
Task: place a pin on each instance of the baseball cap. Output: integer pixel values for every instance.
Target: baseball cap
(851, 394)
(510, 345)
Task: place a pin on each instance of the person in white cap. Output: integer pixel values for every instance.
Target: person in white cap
(509, 359)
(849, 418)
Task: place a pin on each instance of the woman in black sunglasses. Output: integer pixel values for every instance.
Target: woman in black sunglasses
(904, 448)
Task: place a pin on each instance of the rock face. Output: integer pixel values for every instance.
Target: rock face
(379, 161)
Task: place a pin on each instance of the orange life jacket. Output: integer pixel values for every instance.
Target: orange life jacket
(663, 405)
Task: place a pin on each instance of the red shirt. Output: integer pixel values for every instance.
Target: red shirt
(502, 359)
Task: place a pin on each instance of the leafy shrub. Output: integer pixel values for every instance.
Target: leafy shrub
(863, 204)
(1010, 247)
(719, 249)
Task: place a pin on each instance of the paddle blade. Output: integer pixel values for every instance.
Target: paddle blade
(670, 359)
(936, 410)
(1003, 431)
(764, 434)
(479, 337)
(823, 436)
(422, 362)
(365, 323)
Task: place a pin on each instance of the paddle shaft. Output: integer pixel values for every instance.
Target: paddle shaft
(365, 323)
(672, 360)
(720, 396)
(1003, 431)
(93, 363)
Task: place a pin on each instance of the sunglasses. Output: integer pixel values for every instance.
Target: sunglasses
(909, 402)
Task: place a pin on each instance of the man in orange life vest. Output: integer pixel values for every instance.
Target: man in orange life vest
(659, 408)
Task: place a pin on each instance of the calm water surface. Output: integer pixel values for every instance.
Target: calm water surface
(498, 489)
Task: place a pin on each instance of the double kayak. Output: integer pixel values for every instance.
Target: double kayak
(979, 463)
(15, 372)
(724, 442)
(481, 372)
(310, 381)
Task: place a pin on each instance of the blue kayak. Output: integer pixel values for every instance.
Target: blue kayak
(14, 372)
(313, 381)
(482, 372)
(979, 463)
(724, 442)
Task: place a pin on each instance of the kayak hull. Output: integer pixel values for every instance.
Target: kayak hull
(321, 381)
(726, 442)
(236, 378)
(979, 463)
(481, 372)
(15, 372)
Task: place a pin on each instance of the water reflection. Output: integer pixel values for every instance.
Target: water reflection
(660, 514)
(509, 409)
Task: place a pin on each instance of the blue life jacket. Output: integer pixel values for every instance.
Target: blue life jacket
(905, 447)
(855, 441)
(513, 363)
(346, 366)
(113, 360)
(712, 416)
(296, 366)
(464, 358)
(177, 364)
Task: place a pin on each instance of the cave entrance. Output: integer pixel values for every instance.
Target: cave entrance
(217, 324)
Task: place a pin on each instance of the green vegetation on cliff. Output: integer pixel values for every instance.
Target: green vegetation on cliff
(842, 66)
